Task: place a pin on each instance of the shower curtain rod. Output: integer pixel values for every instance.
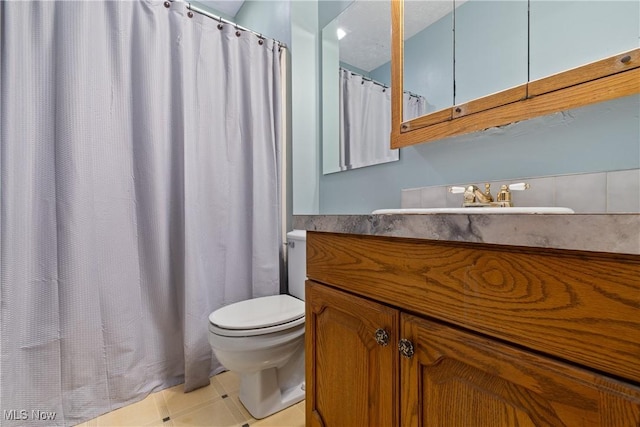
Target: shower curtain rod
(415, 95)
(222, 20)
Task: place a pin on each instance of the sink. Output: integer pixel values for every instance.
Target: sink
(476, 210)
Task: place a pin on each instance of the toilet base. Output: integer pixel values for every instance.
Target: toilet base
(260, 393)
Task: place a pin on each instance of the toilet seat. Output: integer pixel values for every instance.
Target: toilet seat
(258, 316)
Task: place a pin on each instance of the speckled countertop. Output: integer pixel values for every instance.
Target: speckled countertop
(615, 233)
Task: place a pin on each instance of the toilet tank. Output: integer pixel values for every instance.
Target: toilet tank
(297, 262)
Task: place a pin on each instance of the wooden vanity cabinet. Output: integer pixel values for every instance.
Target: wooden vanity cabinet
(452, 375)
(351, 379)
(460, 379)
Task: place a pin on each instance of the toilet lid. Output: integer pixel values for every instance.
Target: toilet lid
(258, 313)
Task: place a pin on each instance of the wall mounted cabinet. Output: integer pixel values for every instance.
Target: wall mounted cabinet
(598, 81)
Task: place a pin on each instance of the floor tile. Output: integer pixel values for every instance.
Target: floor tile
(163, 409)
(136, 414)
(202, 407)
(92, 423)
(218, 387)
(290, 417)
(230, 381)
(241, 412)
(215, 414)
(168, 423)
(178, 401)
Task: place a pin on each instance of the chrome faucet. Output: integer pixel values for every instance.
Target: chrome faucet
(474, 197)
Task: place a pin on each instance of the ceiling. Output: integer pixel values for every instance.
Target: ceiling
(367, 23)
(367, 44)
(227, 7)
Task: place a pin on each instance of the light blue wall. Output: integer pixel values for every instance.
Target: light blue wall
(329, 9)
(215, 11)
(305, 116)
(271, 18)
(356, 70)
(603, 137)
(296, 24)
(595, 138)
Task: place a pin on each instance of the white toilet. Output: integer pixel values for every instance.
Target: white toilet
(262, 339)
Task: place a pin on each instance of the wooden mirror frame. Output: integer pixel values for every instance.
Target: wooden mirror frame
(610, 78)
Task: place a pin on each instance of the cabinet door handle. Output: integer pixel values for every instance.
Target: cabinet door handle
(382, 337)
(405, 347)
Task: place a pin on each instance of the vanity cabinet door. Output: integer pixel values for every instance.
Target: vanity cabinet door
(459, 379)
(351, 377)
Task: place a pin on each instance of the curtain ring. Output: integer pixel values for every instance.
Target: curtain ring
(238, 33)
(190, 14)
(167, 4)
(220, 26)
(260, 40)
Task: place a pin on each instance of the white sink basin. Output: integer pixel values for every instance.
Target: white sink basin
(514, 210)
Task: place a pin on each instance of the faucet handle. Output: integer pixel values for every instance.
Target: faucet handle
(519, 186)
(456, 190)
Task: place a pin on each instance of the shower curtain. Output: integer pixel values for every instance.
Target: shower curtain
(139, 154)
(365, 120)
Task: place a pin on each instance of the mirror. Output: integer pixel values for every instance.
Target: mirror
(486, 59)
(455, 52)
(429, 47)
(356, 98)
(589, 31)
(603, 43)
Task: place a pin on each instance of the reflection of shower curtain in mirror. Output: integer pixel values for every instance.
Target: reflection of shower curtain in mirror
(365, 120)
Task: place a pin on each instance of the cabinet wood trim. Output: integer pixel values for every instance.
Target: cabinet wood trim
(428, 120)
(595, 70)
(504, 97)
(508, 96)
(579, 306)
(397, 67)
(603, 89)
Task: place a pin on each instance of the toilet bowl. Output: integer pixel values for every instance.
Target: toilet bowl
(262, 339)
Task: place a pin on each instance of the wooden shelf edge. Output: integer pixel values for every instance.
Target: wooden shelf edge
(508, 96)
(612, 65)
(427, 120)
(606, 88)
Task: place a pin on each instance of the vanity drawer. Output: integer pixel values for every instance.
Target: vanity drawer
(580, 306)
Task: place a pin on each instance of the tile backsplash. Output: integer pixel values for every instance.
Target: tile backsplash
(602, 192)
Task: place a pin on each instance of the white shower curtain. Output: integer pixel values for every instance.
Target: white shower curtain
(365, 120)
(139, 154)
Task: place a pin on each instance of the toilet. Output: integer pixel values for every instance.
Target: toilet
(262, 339)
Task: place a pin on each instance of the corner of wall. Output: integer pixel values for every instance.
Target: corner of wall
(305, 100)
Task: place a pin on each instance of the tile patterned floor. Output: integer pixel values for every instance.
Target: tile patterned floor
(216, 405)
